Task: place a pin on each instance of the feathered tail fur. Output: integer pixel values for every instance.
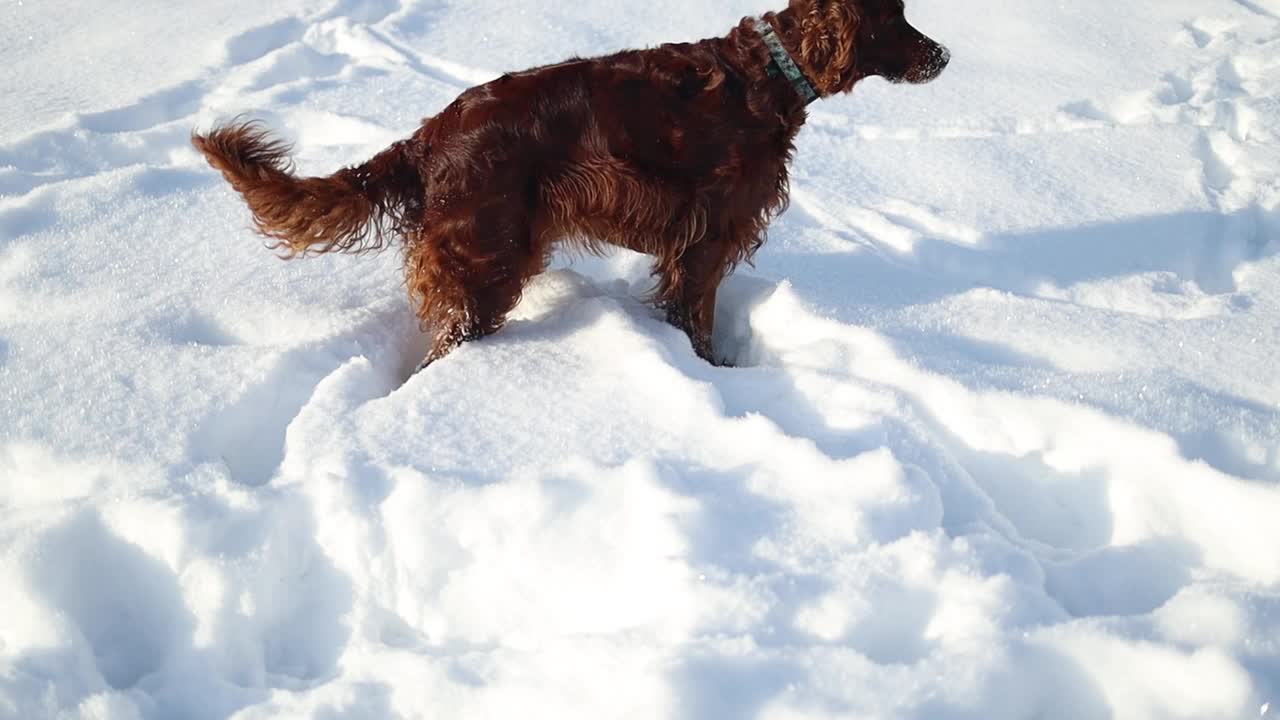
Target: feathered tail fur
(357, 209)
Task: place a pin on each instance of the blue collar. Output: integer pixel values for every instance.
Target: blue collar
(782, 62)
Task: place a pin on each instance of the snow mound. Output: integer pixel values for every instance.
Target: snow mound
(1002, 440)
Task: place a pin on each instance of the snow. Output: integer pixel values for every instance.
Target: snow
(1002, 442)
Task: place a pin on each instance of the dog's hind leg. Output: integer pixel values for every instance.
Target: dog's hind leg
(467, 273)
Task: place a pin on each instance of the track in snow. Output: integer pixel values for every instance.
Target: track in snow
(1004, 444)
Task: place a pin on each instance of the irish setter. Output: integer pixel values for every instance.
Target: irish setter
(679, 152)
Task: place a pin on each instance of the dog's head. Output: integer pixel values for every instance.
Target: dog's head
(889, 47)
(844, 41)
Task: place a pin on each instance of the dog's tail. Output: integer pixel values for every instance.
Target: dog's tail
(355, 210)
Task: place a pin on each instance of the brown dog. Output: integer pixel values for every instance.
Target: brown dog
(679, 152)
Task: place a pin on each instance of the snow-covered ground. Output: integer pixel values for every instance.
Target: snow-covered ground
(1003, 440)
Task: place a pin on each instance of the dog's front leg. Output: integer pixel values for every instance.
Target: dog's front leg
(687, 292)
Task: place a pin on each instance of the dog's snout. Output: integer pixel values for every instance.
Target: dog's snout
(935, 59)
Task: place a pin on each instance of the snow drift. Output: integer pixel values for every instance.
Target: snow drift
(1002, 442)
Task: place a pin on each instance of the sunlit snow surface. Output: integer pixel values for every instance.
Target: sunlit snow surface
(1002, 441)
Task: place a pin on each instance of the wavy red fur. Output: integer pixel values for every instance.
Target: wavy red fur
(679, 152)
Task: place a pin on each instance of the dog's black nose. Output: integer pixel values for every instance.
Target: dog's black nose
(943, 58)
(935, 60)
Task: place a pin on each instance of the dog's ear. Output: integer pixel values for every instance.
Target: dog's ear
(828, 33)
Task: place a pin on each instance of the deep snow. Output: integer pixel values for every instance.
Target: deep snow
(1003, 440)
